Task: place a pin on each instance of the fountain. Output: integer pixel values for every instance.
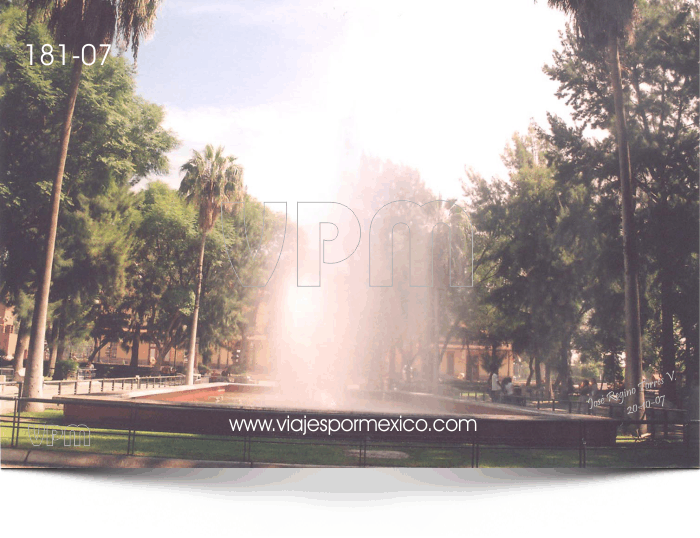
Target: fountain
(324, 342)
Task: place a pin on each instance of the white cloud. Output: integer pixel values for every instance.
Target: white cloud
(288, 150)
(299, 19)
(436, 88)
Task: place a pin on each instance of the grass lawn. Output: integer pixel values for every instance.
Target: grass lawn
(628, 453)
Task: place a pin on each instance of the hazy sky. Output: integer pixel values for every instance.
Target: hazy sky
(290, 86)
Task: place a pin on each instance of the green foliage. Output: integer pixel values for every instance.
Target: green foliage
(587, 370)
(65, 369)
(79, 22)
(596, 19)
(661, 90)
(117, 140)
(211, 178)
(492, 362)
(123, 260)
(161, 278)
(590, 370)
(237, 368)
(534, 262)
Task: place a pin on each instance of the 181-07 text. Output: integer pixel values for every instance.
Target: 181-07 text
(88, 54)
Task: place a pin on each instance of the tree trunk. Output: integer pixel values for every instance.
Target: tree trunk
(548, 381)
(668, 347)
(435, 374)
(448, 338)
(565, 366)
(468, 368)
(20, 348)
(494, 357)
(135, 342)
(61, 351)
(161, 352)
(34, 380)
(58, 339)
(246, 357)
(532, 370)
(193, 335)
(633, 331)
(557, 380)
(96, 350)
(53, 344)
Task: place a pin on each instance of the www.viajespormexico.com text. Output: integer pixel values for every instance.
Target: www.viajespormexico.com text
(347, 425)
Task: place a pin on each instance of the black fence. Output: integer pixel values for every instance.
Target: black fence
(90, 386)
(355, 449)
(662, 421)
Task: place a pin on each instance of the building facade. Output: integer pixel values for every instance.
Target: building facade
(465, 362)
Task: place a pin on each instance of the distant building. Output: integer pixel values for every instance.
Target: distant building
(462, 362)
(458, 362)
(254, 350)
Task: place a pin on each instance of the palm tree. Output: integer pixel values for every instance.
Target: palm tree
(210, 180)
(603, 23)
(75, 24)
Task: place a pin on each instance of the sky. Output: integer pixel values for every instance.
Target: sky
(299, 90)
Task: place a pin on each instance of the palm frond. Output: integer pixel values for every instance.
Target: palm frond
(210, 179)
(76, 23)
(594, 20)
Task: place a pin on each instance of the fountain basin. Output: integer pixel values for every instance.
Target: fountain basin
(191, 410)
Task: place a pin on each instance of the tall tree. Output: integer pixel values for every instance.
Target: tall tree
(585, 166)
(77, 24)
(661, 92)
(603, 23)
(228, 307)
(531, 264)
(211, 178)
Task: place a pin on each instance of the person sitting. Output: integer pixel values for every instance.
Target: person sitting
(584, 390)
(508, 389)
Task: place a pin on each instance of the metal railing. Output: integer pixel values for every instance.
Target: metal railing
(472, 449)
(90, 386)
(661, 420)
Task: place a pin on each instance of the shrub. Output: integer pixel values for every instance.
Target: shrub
(65, 369)
(203, 369)
(237, 368)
